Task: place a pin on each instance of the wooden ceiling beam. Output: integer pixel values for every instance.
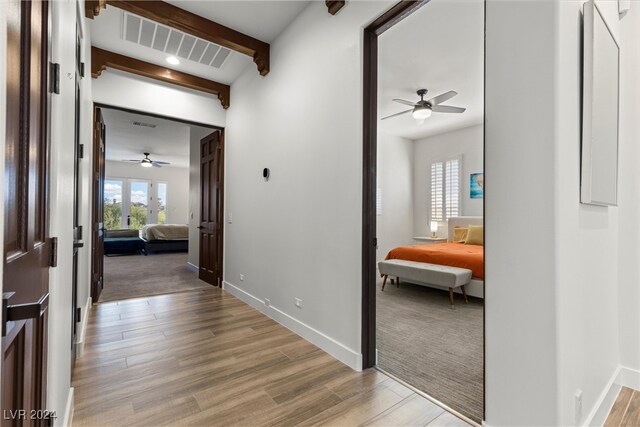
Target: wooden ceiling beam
(92, 8)
(190, 23)
(102, 59)
(334, 6)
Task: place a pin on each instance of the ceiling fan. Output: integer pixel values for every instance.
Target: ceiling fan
(423, 109)
(147, 162)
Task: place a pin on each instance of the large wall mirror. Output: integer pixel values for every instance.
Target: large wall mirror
(599, 180)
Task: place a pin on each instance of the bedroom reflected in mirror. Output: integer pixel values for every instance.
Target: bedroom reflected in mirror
(599, 174)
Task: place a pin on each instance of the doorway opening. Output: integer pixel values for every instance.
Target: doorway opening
(423, 210)
(156, 181)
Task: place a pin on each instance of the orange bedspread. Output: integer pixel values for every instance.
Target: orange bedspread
(451, 254)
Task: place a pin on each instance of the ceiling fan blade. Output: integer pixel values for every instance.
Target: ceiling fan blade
(442, 98)
(397, 114)
(135, 161)
(161, 163)
(447, 109)
(156, 165)
(402, 101)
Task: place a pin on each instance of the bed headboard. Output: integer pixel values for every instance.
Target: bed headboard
(463, 221)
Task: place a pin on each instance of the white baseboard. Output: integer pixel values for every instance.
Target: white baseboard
(83, 328)
(622, 377)
(68, 411)
(326, 343)
(193, 267)
(630, 377)
(605, 402)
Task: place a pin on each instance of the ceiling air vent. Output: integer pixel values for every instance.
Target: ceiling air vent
(147, 33)
(144, 125)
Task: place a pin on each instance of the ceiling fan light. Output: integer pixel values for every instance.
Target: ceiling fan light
(421, 113)
(146, 163)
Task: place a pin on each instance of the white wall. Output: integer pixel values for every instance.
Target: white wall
(568, 335)
(299, 234)
(520, 287)
(395, 180)
(195, 135)
(86, 189)
(586, 238)
(119, 89)
(177, 180)
(467, 142)
(629, 197)
(61, 205)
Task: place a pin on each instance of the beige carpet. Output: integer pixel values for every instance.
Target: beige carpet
(437, 350)
(133, 276)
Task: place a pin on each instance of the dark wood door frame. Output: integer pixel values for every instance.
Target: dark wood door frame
(95, 197)
(370, 142)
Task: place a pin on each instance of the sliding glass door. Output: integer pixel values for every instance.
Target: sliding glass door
(113, 191)
(138, 204)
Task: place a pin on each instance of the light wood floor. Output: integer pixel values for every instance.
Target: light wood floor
(206, 358)
(626, 409)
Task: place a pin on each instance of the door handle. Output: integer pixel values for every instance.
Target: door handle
(78, 245)
(21, 311)
(200, 227)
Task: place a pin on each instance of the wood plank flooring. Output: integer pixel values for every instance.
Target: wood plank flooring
(626, 409)
(206, 358)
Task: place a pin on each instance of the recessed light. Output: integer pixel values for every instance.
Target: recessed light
(173, 60)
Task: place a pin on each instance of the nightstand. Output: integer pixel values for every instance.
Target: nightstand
(428, 240)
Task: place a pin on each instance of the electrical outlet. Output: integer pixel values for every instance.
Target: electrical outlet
(267, 302)
(242, 277)
(577, 400)
(298, 302)
(230, 218)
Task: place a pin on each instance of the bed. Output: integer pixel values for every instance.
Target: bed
(450, 254)
(165, 237)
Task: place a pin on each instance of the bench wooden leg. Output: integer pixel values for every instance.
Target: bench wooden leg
(384, 281)
(451, 297)
(398, 282)
(464, 292)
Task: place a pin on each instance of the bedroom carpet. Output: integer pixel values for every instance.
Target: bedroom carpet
(136, 276)
(435, 349)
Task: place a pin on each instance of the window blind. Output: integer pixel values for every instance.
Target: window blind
(445, 189)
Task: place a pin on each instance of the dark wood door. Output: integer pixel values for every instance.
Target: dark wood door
(211, 207)
(27, 246)
(97, 221)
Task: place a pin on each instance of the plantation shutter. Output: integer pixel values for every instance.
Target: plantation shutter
(452, 188)
(437, 191)
(445, 189)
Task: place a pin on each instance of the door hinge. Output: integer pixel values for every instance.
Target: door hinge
(54, 77)
(53, 254)
(81, 151)
(82, 69)
(78, 313)
(375, 242)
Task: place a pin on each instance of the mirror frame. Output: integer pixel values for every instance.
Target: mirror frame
(591, 12)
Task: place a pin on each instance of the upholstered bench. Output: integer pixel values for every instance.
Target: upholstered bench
(425, 273)
(122, 242)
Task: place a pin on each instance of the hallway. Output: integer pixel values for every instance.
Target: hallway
(207, 358)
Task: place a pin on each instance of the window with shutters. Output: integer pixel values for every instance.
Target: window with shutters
(445, 189)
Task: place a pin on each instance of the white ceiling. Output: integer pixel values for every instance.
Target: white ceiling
(440, 48)
(167, 142)
(264, 20)
(261, 19)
